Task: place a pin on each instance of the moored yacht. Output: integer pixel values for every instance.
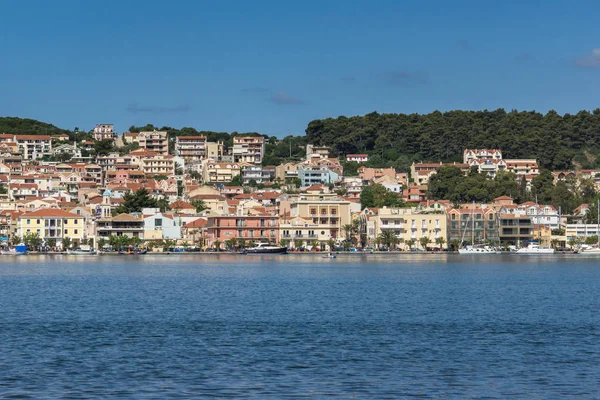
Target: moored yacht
(477, 249)
(534, 248)
(265, 248)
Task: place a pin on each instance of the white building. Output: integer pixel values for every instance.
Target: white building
(104, 131)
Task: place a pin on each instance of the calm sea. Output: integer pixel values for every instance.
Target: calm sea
(275, 327)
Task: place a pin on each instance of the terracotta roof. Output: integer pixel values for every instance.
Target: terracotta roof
(50, 212)
(191, 137)
(208, 197)
(33, 137)
(182, 205)
(126, 218)
(197, 223)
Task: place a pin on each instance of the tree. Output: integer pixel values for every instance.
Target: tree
(424, 241)
(388, 238)
(104, 147)
(236, 181)
(101, 243)
(454, 244)
(136, 201)
(410, 243)
(331, 244)
(440, 242)
(217, 245)
(32, 239)
(66, 243)
(51, 242)
(297, 243)
(377, 195)
(199, 204)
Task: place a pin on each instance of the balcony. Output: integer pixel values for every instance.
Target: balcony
(393, 226)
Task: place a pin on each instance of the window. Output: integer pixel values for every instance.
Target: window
(66, 231)
(157, 222)
(28, 221)
(75, 232)
(37, 221)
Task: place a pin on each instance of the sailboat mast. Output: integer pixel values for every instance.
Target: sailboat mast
(598, 224)
(473, 225)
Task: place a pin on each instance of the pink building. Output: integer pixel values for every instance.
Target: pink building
(256, 228)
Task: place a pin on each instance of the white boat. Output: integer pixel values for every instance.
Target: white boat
(84, 250)
(590, 250)
(535, 249)
(265, 248)
(330, 256)
(477, 249)
(19, 250)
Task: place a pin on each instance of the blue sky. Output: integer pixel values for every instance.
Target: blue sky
(273, 66)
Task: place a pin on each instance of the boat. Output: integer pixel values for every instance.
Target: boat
(477, 249)
(265, 248)
(594, 249)
(534, 248)
(84, 250)
(136, 251)
(18, 250)
(330, 256)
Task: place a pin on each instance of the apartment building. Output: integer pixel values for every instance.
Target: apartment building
(104, 132)
(409, 224)
(473, 225)
(156, 141)
(220, 172)
(257, 174)
(50, 223)
(311, 175)
(158, 165)
(249, 149)
(324, 214)
(33, 147)
(256, 228)
(120, 225)
(191, 148)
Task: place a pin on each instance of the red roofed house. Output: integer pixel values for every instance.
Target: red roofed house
(52, 223)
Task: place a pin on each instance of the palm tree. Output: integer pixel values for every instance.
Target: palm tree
(314, 245)
(242, 243)
(440, 241)
(388, 238)
(572, 242)
(217, 245)
(283, 243)
(297, 243)
(66, 243)
(554, 243)
(234, 243)
(378, 242)
(454, 244)
(410, 243)
(101, 243)
(347, 230)
(424, 241)
(331, 244)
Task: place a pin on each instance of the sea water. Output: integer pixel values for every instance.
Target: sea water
(271, 327)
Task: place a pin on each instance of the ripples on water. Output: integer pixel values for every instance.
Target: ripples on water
(276, 327)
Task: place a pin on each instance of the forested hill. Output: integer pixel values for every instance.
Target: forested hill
(399, 139)
(26, 126)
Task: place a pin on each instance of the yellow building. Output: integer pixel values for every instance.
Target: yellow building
(324, 218)
(220, 172)
(54, 224)
(409, 224)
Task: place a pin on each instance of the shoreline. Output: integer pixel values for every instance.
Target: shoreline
(292, 254)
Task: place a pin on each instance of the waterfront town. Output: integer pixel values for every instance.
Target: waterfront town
(186, 192)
